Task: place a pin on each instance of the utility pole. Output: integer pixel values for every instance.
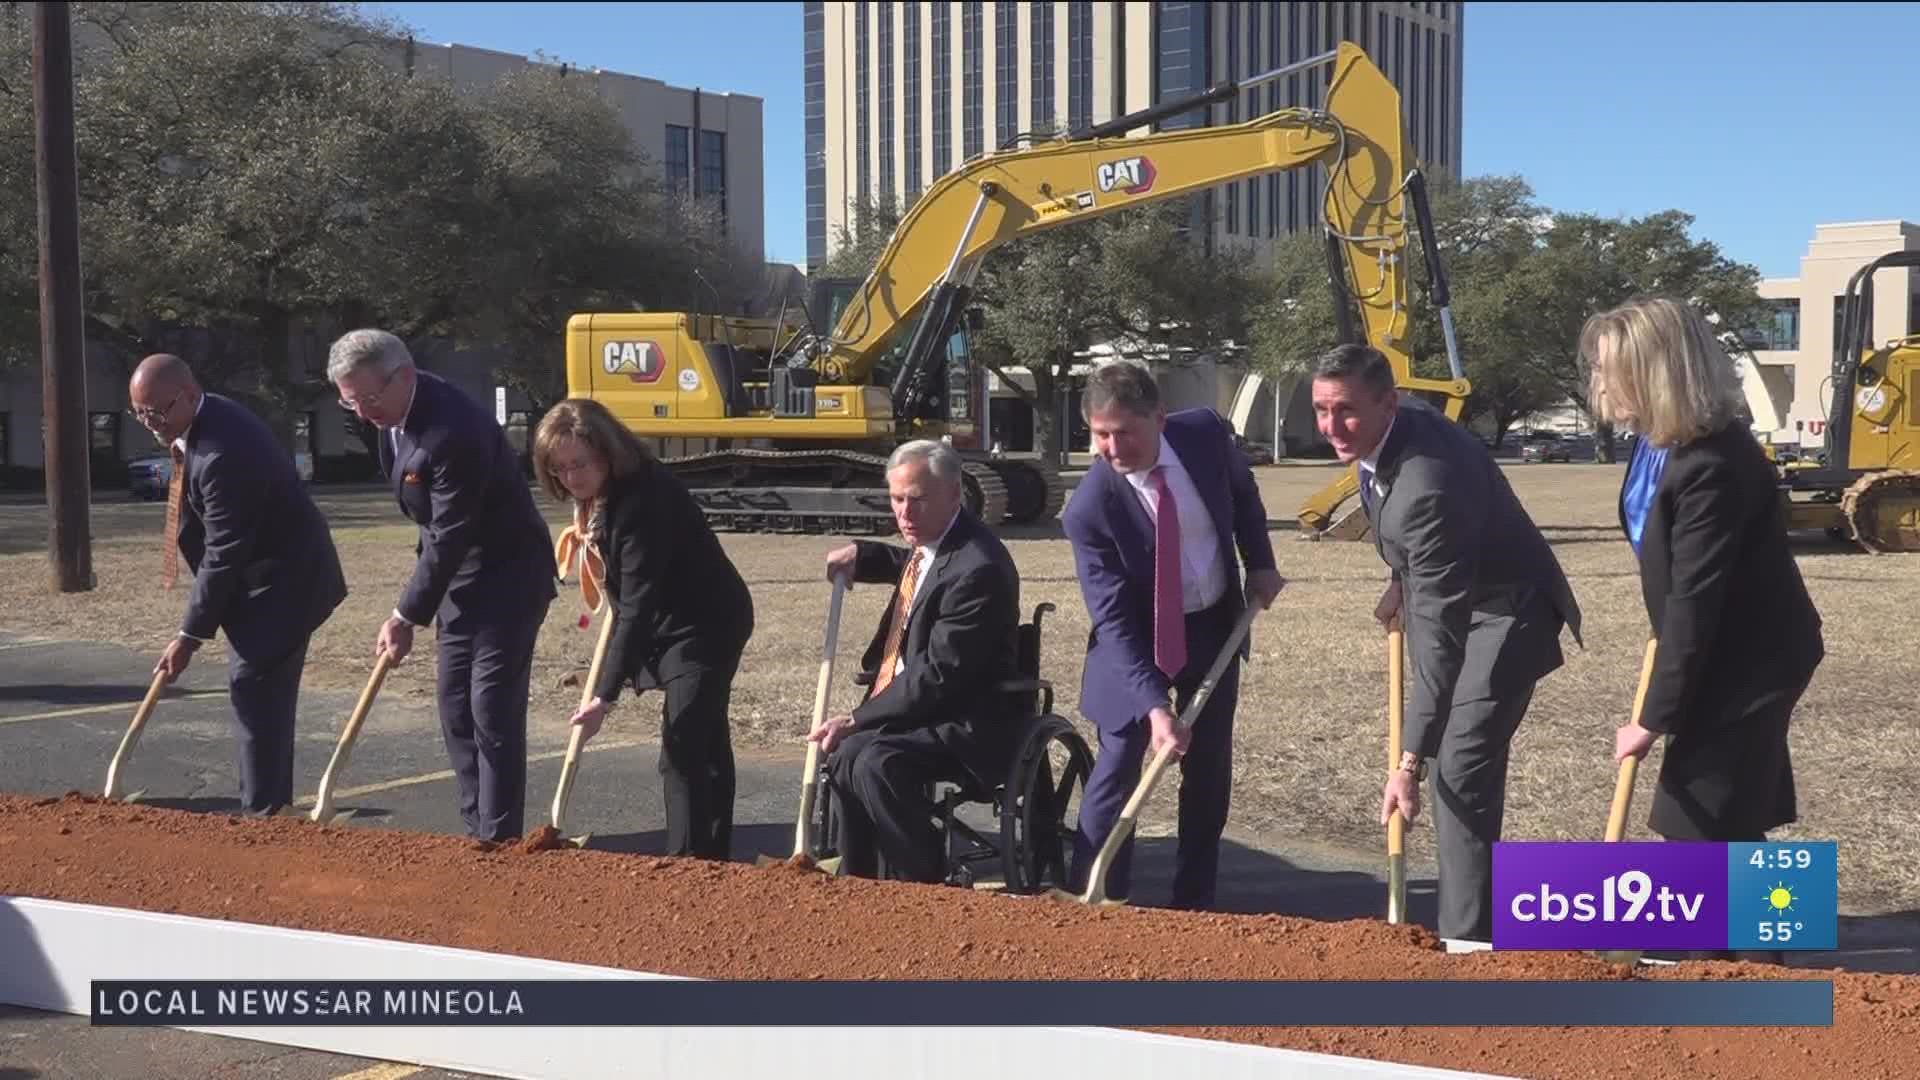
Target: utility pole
(62, 336)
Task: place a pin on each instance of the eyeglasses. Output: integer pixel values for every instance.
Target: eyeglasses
(355, 404)
(151, 417)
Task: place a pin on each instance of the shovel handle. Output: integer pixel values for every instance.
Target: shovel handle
(343, 750)
(134, 728)
(821, 692)
(1123, 828)
(1396, 714)
(1623, 785)
(578, 738)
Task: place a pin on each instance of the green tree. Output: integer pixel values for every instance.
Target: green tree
(859, 241)
(1136, 279)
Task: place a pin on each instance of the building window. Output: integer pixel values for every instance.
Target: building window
(1233, 115)
(1780, 329)
(942, 89)
(1183, 53)
(813, 22)
(1443, 149)
(713, 170)
(1079, 66)
(973, 117)
(1006, 85)
(679, 160)
(886, 103)
(1427, 95)
(1041, 73)
(861, 188)
(910, 32)
(1253, 110)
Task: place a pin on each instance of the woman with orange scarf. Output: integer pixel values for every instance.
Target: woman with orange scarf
(682, 613)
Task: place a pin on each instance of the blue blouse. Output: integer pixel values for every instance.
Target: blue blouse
(1643, 479)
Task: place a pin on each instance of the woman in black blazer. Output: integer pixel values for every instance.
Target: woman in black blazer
(1738, 636)
(682, 614)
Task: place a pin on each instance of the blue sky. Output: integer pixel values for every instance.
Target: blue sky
(1761, 120)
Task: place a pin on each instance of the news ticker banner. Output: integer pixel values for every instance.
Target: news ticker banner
(1665, 896)
(700, 1003)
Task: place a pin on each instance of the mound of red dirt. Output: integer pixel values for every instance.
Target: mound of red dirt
(736, 921)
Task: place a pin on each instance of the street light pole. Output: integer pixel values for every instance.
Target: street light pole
(62, 336)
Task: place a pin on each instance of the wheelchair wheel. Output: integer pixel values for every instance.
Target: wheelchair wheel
(820, 839)
(1042, 806)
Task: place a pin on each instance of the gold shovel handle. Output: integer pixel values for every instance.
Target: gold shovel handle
(822, 692)
(1623, 785)
(134, 728)
(578, 738)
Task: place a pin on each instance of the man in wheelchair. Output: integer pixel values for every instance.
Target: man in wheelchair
(941, 703)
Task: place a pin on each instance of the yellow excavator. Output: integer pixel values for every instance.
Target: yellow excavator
(1868, 486)
(790, 430)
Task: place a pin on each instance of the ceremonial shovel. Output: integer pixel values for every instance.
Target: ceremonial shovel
(578, 739)
(132, 737)
(323, 809)
(1397, 824)
(809, 778)
(1623, 792)
(1097, 879)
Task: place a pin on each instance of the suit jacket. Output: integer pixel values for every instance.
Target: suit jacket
(485, 553)
(264, 566)
(679, 605)
(1113, 545)
(1723, 594)
(1469, 562)
(961, 637)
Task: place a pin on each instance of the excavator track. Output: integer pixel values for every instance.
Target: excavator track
(812, 492)
(1883, 510)
(1035, 490)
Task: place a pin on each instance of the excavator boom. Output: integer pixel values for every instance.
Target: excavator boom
(923, 278)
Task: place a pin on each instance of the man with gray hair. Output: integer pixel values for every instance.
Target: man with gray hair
(933, 710)
(485, 572)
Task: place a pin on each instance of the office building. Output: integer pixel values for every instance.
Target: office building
(897, 95)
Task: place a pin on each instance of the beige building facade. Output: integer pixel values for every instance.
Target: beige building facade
(897, 95)
(1789, 377)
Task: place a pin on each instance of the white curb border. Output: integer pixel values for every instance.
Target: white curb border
(53, 950)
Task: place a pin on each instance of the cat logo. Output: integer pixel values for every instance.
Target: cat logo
(641, 361)
(1131, 176)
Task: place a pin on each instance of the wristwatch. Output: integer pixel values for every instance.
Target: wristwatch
(1411, 762)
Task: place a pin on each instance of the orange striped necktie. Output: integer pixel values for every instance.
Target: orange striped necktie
(897, 630)
(576, 550)
(176, 495)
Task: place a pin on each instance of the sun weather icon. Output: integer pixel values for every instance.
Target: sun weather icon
(1780, 898)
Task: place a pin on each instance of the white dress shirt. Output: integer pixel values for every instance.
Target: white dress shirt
(1203, 580)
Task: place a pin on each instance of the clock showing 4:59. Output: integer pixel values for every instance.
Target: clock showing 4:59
(1783, 896)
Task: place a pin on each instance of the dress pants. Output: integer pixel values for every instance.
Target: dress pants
(486, 671)
(882, 820)
(696, 763)
(265, 692)
(1206, 774)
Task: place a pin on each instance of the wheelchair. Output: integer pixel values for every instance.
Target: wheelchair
(1034, 809)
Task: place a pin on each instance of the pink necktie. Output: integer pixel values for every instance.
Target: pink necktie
(1169, 615)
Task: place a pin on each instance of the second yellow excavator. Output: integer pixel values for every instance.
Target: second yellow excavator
(790, 432)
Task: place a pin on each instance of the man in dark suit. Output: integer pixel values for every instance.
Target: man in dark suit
(934, 709)
(265, 570)
(1482, 600)
(1154, 525)
(485, 573)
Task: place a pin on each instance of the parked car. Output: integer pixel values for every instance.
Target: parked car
(1535, 453)
(149, 474)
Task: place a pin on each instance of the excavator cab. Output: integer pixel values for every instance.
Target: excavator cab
(1868, 487)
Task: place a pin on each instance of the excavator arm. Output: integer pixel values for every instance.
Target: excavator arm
(924, 277)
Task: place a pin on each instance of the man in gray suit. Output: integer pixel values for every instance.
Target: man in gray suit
(1482, 600)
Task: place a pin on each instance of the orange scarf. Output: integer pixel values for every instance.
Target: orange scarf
(576, 548)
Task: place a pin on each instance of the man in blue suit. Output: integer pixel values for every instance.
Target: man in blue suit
(264, 567)
(485, 573)
(1154, 525)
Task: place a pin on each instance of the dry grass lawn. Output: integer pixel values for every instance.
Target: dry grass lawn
(1310, 739)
